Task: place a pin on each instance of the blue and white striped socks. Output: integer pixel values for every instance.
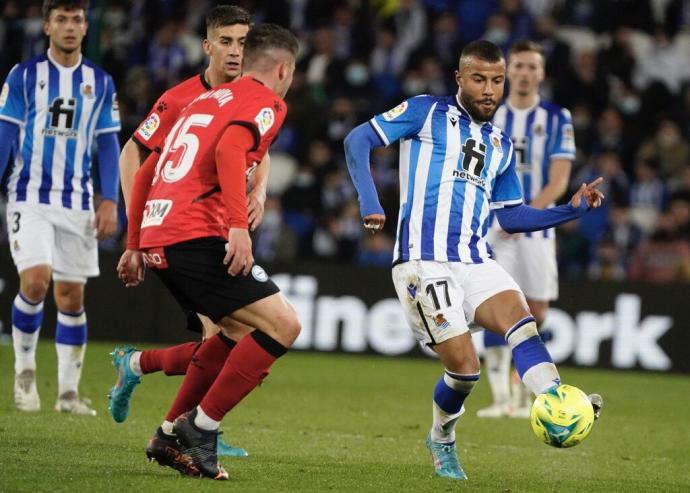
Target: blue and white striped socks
(532, 360)
(449, 395)
(27, 317)
(70, 344)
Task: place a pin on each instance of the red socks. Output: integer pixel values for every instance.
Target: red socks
(173, 360)
(242, 372)
(202, 371)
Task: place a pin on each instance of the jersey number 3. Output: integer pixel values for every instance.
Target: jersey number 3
(181, 147)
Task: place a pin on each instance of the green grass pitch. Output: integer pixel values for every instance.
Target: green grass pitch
(324, 423)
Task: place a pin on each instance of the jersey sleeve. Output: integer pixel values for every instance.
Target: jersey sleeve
(405, 120)
(12, 101)
(263, 117)
(564, 143)
(507, 190)
(109, 118)
(152, 131)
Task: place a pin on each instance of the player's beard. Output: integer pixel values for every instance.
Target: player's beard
(474, 108)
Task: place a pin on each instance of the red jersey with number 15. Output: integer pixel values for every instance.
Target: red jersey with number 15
(185, 201)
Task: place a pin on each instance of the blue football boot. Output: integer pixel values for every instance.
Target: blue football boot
(121, 392)
(445, 459)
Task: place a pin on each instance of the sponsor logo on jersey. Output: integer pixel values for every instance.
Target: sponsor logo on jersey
(155, 211)
(86, 90)
(4, 94)
(259, 274)
(149, 127)
(394, 113)
(265, 120)
(155, 257)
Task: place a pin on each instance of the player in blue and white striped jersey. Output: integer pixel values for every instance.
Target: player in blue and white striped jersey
(456, 166)
(542, 135)
(52, 108)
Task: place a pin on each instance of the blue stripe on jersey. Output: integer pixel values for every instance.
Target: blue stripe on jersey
(71, 147)
(438, 130)
(86, 163)
(404, 246)
(49, 140)
(25, 174)
(527, 177)
(458, 199)
(479, 197)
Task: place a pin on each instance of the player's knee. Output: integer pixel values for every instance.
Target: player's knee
(463, 364)
(69, 298)
(35, 289)
(288, 325)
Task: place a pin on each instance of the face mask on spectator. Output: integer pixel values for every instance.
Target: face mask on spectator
(356, 74)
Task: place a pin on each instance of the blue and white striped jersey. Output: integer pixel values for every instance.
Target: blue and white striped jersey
(59, 111)
(453, 170)
(539, 134)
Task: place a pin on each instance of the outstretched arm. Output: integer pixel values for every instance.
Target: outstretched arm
(522, 218)
(358, 145)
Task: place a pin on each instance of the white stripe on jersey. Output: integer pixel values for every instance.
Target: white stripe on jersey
(41, 95)
(445, 193)
(421, 175)
(538, 142)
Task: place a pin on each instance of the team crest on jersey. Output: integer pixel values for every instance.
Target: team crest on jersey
(149, 127)
(265, 120)
(4, 94)
(259, 274)
(394, 113)
(86, 90)
(538, 130)
(441, 321)
(155, 211)
(496, 142)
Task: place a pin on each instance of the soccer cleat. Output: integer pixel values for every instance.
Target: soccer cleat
(200, 445)
(121, 392)
(69, 402)
(495, 411)
(227, 450)
(166, 451)
(597, 403)
(25, 393)
(521, 412)
(445, 459)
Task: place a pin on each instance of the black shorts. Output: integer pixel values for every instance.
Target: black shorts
(194, 273)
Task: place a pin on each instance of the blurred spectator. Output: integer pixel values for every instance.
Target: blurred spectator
(665, 257)
(647, 195)
(166, 57)
(273, 240)
(376, 250)
(607, 263)
(665, 62)
(573, 250)
(668, 147)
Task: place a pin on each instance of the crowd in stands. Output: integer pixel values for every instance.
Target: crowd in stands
(622, 67)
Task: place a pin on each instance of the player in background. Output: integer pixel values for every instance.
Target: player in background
(543, 139)
(226, 30)
(52, 109)
(455, 167)
(189, 224)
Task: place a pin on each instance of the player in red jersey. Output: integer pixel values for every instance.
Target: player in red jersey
(227, 27)
(186, 204)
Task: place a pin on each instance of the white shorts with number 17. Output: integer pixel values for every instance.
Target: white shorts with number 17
(64, 239)
(440, 298)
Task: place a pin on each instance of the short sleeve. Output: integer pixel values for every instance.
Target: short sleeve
(564, 143)
(12, 100)
(263, 117)
(109, 118)
(507, 190)
(405, 120)
(152, 131)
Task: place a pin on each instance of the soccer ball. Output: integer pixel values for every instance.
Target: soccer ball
(562, 417)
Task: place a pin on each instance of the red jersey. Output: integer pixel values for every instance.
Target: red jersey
(184, 201)
(152, 131)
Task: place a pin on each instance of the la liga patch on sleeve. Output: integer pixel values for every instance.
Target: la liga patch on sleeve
(395, 112)
(265, 120)
(149, 127)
